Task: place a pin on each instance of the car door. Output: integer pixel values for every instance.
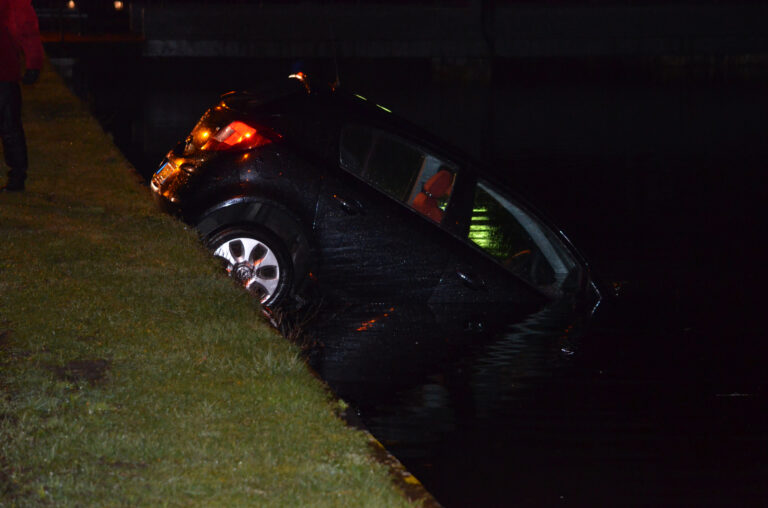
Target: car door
(506, 253)
(379, 215)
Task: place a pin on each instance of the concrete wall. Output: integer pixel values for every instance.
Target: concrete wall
(667, 29)
(412, 31)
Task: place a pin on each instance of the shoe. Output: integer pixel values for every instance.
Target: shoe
(12, 187)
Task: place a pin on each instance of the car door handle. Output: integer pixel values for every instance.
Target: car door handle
(469, 278)
(350, 206)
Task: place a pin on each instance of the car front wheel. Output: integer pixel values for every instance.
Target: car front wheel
(256, 259)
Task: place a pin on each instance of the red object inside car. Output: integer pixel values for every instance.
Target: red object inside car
(426, 201)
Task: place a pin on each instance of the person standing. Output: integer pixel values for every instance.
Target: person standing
(21, 58)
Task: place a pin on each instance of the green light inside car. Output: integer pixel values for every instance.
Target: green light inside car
(479, 230)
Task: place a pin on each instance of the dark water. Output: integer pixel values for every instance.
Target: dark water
(657, 175)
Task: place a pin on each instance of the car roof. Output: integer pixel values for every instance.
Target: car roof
(348, 106)
(367, 110)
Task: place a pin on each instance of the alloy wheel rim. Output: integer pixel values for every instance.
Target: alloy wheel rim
(252, 264)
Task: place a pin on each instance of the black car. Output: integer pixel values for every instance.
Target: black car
(292, 186)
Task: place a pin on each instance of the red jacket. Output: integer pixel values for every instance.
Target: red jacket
(19, 35)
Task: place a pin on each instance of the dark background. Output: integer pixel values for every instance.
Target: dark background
(652, 163)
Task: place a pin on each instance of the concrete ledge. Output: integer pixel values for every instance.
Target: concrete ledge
(512, 31)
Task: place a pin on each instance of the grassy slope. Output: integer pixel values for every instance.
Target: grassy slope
(131, 371)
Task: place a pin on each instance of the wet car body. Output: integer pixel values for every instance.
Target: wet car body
(349, 197)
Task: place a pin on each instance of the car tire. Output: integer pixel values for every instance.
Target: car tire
(256, 259)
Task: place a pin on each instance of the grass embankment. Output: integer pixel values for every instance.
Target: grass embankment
(132, 371)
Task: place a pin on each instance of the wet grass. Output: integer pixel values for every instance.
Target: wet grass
(131, 371)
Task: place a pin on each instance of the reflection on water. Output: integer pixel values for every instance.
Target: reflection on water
(661, 401)
(417, 375)
(374, 352)
(527, 412)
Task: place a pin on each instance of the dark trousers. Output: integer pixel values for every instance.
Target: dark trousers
(12, 132)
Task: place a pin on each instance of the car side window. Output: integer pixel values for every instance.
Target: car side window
(393, 166)
(517, 240)
(399, 168)
(355, 146)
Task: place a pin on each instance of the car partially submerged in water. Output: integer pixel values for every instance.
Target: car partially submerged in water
(294, 186)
